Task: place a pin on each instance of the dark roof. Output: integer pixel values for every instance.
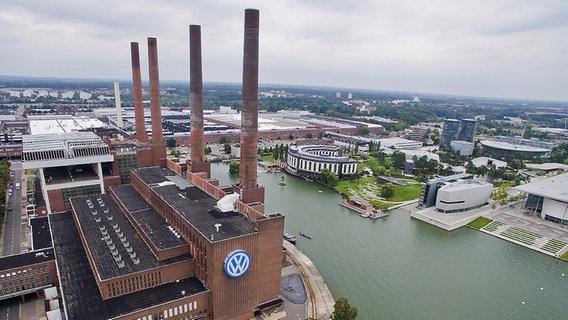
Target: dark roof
(153, 224)
(25, 259)
(196, 206)
(41, 234)
(80, 292)
(114, 244)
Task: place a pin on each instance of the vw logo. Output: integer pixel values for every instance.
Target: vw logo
(237, 263)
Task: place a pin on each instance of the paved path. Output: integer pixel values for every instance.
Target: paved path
(320, 300)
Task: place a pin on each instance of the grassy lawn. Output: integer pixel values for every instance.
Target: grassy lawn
(267, 158)
(406, 193)
(371, 163)
(346, 186)
(368, 190)
(479, 222)
(564, 256)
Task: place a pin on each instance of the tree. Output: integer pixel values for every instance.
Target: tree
(329, 178)
(364, 130)
(398, 159)
(227, 148)
(342, 310)
(387, 190)
(207, 150)
(309, 135)
(234, 167)
(171, 143)
(224, 140)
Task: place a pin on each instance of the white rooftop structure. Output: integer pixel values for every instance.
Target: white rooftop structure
(398, 143)
(555, 188)
(54, 150)
(485, 161)
(419, 153)
(547, 166)
(62, 124)
(511, 147)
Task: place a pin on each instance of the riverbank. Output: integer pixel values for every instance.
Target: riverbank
(319, 299)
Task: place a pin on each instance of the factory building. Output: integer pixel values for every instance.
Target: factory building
(169, 246)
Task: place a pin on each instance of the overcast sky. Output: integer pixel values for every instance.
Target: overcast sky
(492, 48)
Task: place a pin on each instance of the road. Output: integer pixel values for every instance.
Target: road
(13, 228)
(10, 309)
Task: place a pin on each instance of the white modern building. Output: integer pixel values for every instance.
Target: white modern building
(463, 195)
(488, 162)
(308, 161)
(547, 198)
(397, 143)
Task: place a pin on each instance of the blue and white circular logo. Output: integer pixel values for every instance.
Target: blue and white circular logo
(237, 263)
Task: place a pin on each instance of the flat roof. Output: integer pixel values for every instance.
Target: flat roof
(26, 259)
(63, 124)
(555, 187)
(195, 206)
(115, 246)
(80, 291)
(512, 147)
(41, 234)
(153, 224)
(465, 184)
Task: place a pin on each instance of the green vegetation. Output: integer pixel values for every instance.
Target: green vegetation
(405, 193)
(342, 310)
(387, 190)
(479, 223)
(171, 143)
(4, 181)
(234, 167)
(329, 178)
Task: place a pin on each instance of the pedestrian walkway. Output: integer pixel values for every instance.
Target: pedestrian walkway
(533, 240)
(319, 298)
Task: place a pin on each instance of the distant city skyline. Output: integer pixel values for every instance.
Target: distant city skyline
(502, 49)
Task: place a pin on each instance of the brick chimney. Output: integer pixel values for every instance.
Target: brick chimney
(198, 163)
(249, 189)
(158, 144)
(141, 134)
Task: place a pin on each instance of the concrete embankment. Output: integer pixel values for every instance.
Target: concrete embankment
(319, 299)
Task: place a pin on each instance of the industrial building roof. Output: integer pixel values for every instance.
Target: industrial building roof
(196, 206)
(41, 234)
(64, 124)
(25, 259)
(115, 246)
(555, 187)
(153, 224)
(79, 289)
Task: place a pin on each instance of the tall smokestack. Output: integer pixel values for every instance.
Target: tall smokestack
(158, 145)
(141, 134)
(196, 95)
(249, 114)
(118, 106)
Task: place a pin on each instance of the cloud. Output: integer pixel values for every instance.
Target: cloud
(504, 48)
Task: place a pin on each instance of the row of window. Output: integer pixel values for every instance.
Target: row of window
(125, 286)
(25, 272)
(22, 284)
(313, 166)
(181, 310)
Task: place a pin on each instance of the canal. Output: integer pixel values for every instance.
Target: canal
(401, 268)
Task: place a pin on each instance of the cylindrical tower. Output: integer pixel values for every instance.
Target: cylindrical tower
(155, 107)
(249, 114)
(141, 134)
(196, 95)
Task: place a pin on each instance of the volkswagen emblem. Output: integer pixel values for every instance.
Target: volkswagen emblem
(237, 263)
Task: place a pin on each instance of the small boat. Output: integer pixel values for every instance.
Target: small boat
(304, 235)
(290, 237)
(376, 214)
(364, 215)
